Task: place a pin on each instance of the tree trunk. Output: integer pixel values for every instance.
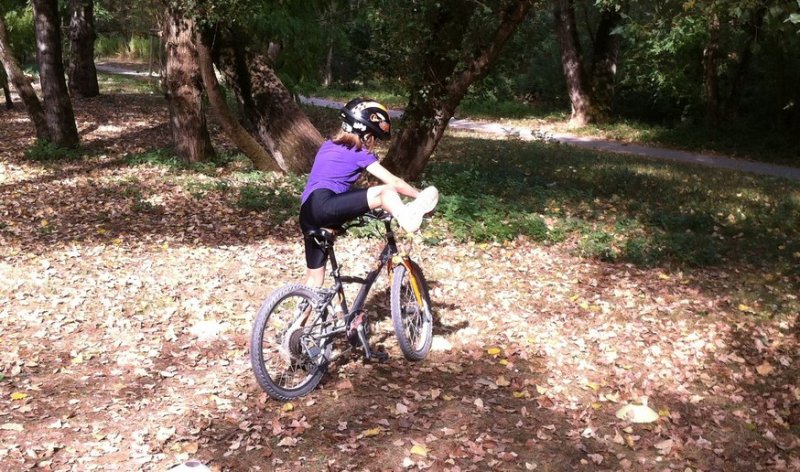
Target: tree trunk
(4, 85)
(583, 110)
(238, 134)
(58, 111)
(184, 90)
(269, 108)
(604, 63)
(737, 83)
(433, 102)
(711, 72)
(23, 85)
(82, 71)
(327, 73)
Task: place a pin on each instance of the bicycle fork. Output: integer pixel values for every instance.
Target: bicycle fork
(405, 261)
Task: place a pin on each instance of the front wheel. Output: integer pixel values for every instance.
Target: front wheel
(413, 321)
(288, 346)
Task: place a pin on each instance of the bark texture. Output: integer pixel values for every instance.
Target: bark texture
(604, 63)
(269, 108)
(238, 134)
(184, 90)
(23, 85)
(82, 71)
(578, 88)
(4, 86)
(58, 111)
(443, 85)
(591, 93)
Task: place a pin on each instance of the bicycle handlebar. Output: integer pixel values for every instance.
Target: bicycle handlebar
(363, 220)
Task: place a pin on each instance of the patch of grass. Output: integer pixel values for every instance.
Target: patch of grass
(45, 151)
(278, 203)
(124, 84)
(166, 158)
(737, 139)
(162, 157)
(624, 210)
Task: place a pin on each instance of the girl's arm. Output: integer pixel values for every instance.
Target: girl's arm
(401, 186)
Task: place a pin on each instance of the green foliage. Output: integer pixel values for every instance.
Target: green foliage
(21, 33)
(45, 151)
(137, 47)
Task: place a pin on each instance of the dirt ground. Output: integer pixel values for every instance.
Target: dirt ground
(125, 311)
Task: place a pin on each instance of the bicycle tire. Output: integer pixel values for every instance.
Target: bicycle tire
(276, 329)
(413, 324)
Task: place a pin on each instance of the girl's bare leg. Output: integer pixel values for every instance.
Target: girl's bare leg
(315, 277)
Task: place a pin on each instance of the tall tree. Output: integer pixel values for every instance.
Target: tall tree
(23, 85)
(455, 43)
(590, 92)
(184, 89)
(269, 107)
(82, 71)
(58, 111)
(238, 134)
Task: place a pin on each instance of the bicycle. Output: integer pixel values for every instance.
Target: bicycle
(295, 328)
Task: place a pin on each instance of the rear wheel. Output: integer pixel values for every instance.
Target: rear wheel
(288, 349)
(413, 321)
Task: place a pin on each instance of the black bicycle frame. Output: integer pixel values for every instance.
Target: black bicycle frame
(389, 250)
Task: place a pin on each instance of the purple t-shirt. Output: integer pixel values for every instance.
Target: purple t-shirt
(337, 168)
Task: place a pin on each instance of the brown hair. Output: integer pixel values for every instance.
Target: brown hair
(353, 141)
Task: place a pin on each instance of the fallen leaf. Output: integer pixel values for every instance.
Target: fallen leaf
(493, 351)
(419, 450)
(11, 427)
(371, 432)
(765, 369)
(665, 446)
(19, 396)
(596, 458)
(287, 407)
(502, 382)
(288, 442)
(637, 414)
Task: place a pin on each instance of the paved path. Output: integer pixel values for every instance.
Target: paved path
(525, 134)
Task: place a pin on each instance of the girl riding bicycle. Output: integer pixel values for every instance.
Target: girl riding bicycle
(329, 200)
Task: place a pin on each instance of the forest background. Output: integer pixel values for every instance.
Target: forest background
(143, 221)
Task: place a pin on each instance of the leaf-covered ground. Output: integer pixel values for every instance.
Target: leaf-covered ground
(127, 294)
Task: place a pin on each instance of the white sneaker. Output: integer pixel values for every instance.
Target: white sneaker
(427, 200)
(409, 219)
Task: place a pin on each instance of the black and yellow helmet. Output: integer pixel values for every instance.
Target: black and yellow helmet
(364, 116)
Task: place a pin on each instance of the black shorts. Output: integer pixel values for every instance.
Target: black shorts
(326, 209)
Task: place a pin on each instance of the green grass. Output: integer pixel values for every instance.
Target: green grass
(45, 151)
(123, 84)
(777, 146)
(616, 209)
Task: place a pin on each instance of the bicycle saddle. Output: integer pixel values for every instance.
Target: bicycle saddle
(323, 236)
